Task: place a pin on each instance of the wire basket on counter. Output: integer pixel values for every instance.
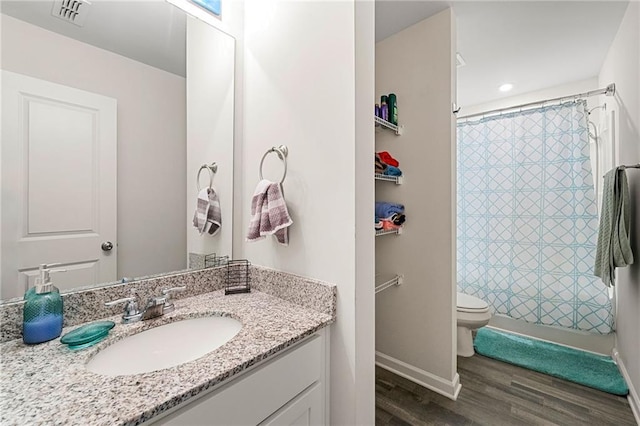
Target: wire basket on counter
(238, 279)
(213, 260)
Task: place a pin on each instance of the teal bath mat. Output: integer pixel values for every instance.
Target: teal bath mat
(588, 369)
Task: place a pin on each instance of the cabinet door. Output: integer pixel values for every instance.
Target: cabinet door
(304, 410)
(255, 396)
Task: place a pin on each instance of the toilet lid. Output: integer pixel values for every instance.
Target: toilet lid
(467, 303)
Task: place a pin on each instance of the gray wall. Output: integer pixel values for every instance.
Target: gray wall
(415, 323)
(622, 66)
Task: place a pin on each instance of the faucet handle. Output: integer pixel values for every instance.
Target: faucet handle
(174, 289)
(131, 310)
(168, 304)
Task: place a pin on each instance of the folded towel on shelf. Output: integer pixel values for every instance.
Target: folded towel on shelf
(392, 171)
(387, 209)
(377, 224)
(207, 217)
(380, 167)
(269, 213)
(386, 158)
(388, 225)
(614, 248)
(397, 218)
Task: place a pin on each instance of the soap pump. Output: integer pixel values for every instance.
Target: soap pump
(42, 315)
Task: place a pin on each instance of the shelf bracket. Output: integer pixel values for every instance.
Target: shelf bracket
(395, 281)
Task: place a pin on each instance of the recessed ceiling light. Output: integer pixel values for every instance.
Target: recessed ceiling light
(505, 87)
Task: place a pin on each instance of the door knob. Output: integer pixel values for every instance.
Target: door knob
(107, 246)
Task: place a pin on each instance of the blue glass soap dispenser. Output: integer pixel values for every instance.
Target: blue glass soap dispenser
(42, 316)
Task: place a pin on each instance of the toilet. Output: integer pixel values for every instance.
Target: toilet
(472, 313)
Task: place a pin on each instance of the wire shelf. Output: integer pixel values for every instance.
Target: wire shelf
(388, 231)
(238, 279)
(395, 281)
(379, 122)
(398, 180)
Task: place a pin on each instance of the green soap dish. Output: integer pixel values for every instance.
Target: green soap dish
(87, 335)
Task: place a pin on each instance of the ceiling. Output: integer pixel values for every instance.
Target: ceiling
(151, 32)
(532, 44)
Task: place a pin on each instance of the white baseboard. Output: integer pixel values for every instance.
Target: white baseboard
(448, 388)
(633, 397)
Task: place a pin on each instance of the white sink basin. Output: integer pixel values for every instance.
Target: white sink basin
(165, 346)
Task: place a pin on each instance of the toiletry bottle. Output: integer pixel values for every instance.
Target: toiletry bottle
(384, 111)
(42, 315)
(377, 110)
(392, 104)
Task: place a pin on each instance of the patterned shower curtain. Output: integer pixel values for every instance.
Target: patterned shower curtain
(527, 218)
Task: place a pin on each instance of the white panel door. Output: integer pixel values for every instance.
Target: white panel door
(58, 184)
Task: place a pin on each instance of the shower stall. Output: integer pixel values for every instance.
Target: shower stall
(527, 216)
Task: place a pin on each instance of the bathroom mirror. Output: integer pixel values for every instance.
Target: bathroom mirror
(109, 109)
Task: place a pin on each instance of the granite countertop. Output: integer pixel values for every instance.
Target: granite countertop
(48, 383)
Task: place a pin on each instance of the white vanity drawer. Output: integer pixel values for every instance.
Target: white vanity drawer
(304, 410)
(254, 396)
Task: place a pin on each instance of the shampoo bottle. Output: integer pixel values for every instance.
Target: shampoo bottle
(384, 110)
(392, 104)
(42, 316)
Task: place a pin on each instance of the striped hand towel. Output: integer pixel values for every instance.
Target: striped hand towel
(269, 214)
(207, 217)
(214, 217)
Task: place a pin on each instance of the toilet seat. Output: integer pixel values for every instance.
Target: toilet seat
(471, 304)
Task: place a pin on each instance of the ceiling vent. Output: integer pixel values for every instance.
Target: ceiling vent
(460, 62)
(74, 11)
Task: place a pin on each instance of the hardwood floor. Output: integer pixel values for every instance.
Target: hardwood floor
(496, 393)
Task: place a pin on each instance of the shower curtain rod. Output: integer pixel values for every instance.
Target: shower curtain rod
(610, 90)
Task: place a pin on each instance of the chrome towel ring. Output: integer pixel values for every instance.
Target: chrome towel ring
(282, 152)
(213, 169)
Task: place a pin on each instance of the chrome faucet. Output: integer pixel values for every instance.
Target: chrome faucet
(156, 306)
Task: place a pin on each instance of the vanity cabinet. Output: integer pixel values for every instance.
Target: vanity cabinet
(290, 389)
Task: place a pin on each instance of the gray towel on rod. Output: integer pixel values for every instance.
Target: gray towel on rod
(614, 247)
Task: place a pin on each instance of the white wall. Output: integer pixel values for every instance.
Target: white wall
(365, 239)
(151, 137)
(568, 89)
(300, 90)
(622, 66)
(416, 322)
(210, 109)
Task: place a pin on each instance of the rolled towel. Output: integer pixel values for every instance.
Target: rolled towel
(380, 167)
(387, 225)
(397, 218)
(377, 223)
(386, 158)
(392, 171)
(387, 209)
